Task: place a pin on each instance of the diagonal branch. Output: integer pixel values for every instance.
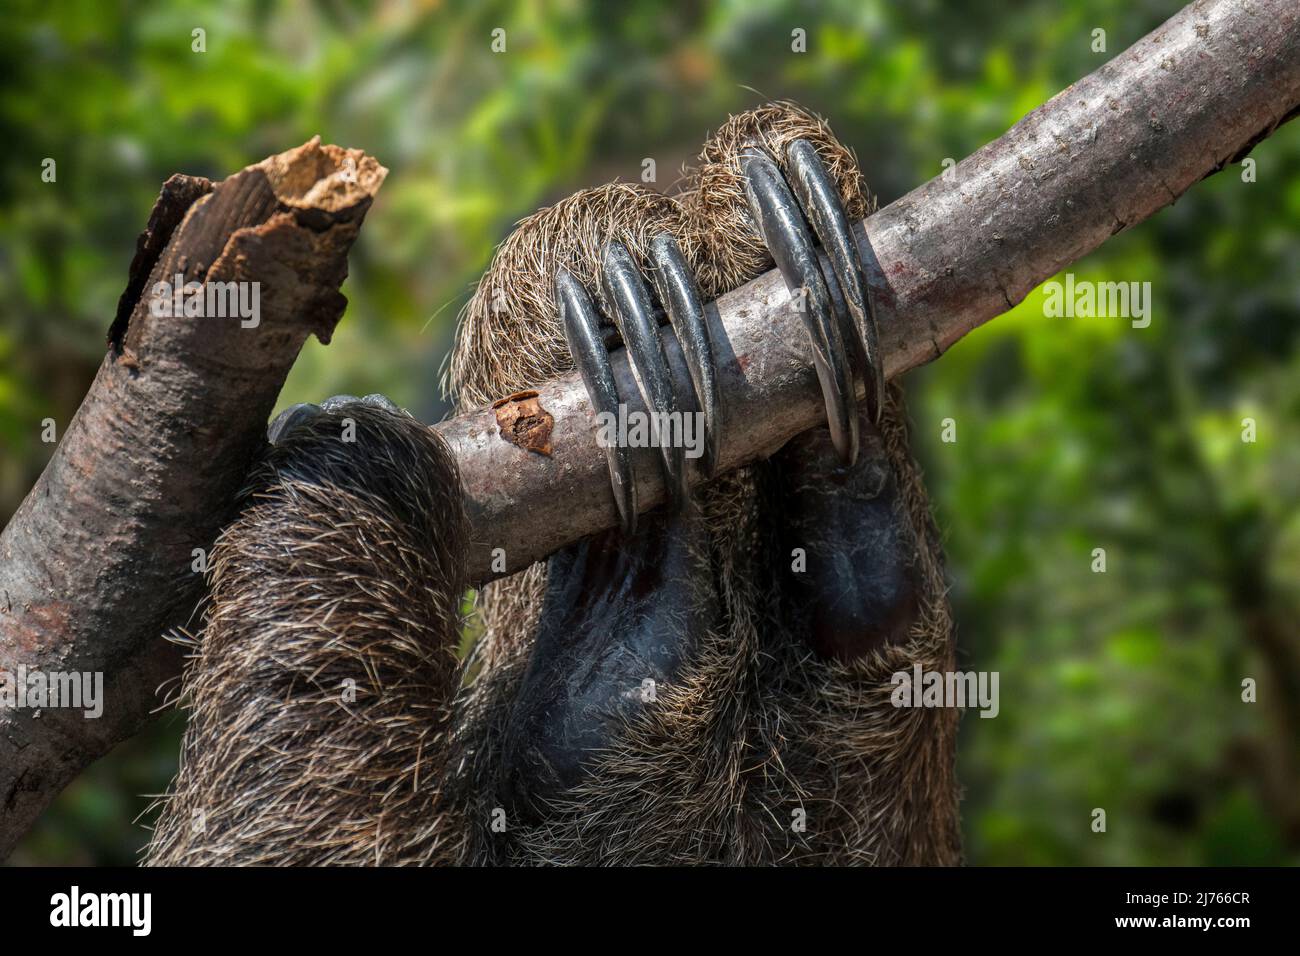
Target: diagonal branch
(1102, 156)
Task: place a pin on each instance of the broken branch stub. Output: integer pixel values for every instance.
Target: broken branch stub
(98, 561)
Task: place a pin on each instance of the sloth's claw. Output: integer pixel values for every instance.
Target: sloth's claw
(582, 332)
(845, 341)
(335, 402)
(289, 419)
(782, 227)
(820, 201)
(681, 300)
(634, 316)
(304, 412)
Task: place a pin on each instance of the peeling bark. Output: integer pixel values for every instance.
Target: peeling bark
(522, 421)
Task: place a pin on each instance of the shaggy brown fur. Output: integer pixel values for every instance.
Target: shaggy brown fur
(322, 579)
(345, 572)
(758, 728)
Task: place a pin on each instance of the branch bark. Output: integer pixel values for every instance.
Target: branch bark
(96, 563)
(1102, 156)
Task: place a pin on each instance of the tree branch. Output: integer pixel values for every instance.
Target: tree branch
(1103, 155)
(96, 563)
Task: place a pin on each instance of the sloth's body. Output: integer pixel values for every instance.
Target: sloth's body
(714, 688)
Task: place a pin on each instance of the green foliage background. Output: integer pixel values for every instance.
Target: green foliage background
(1119, 690)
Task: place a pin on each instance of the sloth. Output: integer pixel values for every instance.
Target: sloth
(711, 686)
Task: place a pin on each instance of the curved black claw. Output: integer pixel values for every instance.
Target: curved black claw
(335, 402)
(785, 233)
(582, 332)
(681, 300)
(821, 205)
(634, 315)
(289, 419)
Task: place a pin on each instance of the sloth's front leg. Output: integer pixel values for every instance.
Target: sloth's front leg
(319, 691)
(621, 616)
(867, 781)
(775, 738)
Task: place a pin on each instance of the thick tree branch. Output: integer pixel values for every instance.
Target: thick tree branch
(1103, 155)
(96, 564)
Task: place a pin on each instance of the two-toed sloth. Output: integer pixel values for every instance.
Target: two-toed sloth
(713, 688)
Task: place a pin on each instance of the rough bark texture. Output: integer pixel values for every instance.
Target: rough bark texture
(96, 564)
(1103, 155)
